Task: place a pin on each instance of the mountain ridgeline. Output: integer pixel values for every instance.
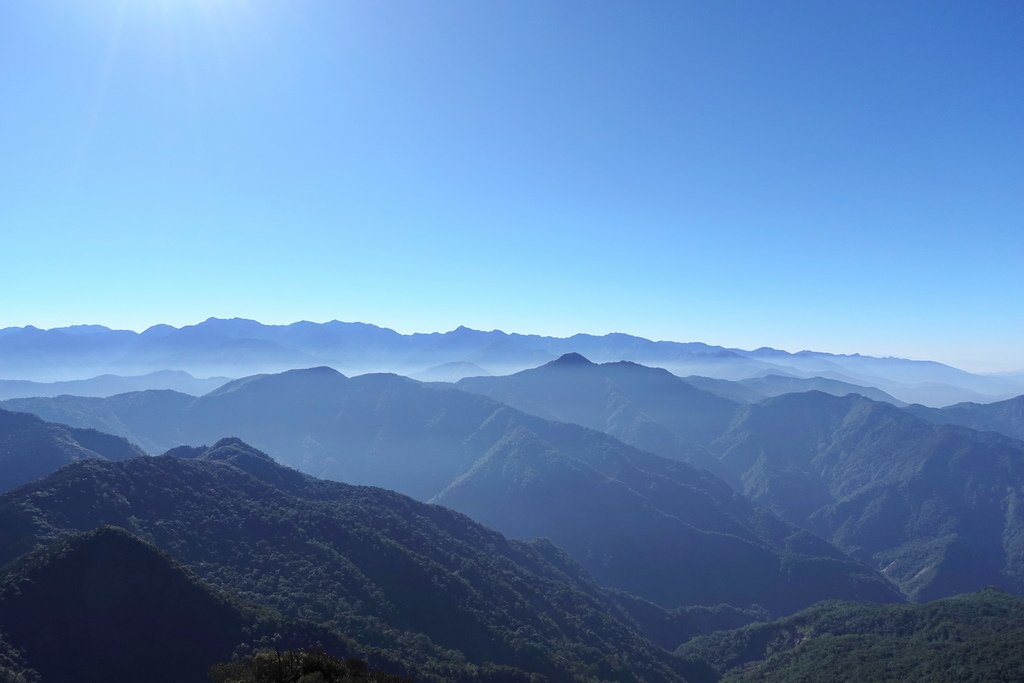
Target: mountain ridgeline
(1005, 417)
(652, 526)
(237, 347)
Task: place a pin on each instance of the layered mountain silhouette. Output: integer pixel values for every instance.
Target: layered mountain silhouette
(649, 408)
(925, 382)
(648, 525)
(450, 372)
(238, 347)
(109, 385)
(757, 389)
(31, 448)
(1005, 417)
(417, 587)
(104, 606)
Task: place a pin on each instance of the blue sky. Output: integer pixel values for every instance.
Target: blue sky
(837, 176)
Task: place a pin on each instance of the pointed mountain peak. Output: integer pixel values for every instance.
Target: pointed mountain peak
(570, 359)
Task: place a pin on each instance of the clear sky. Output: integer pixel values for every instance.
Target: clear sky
(836, 176)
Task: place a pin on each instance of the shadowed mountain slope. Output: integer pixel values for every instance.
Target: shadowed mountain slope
(31, 448)
(636, 521)
(104, 605)
(417, 585)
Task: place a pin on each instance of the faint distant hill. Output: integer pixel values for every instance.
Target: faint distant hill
(1005, 417)
(757, 389)
(655, 527)
(450, 372)
(31, 448)
(109, 385)
(238, 347)
(912, 381)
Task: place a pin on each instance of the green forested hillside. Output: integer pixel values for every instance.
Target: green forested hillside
(298, 666)
(105, 606)
(421, 588)
(974, 637)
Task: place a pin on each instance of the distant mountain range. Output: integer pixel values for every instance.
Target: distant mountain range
(109, 385)
(653, 526)
(237, 347)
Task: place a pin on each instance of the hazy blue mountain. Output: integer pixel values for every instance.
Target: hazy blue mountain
(912, 381)
(106, 606)
(31, 448)
(109, 385)
(937, 508)
(1005, 417)
(450, 372)
(757, 389)
(147, 418)
(634, 520)
(207, 350)
(414, 585)
(926, 505)
(237, 347)
(59, 354)
(975, 637)
(649, 408)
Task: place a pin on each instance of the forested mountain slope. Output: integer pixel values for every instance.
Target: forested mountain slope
(418, 586)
